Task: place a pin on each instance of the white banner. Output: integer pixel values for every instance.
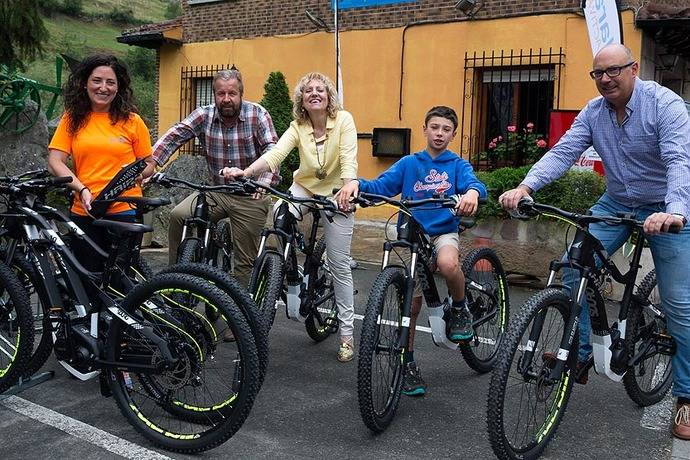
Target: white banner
(603, 23)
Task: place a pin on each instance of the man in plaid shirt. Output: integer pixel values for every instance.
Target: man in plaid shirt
(232, 132)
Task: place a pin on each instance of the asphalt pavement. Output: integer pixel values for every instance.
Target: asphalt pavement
(307, 408)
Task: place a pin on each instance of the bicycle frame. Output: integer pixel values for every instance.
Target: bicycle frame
(58, 268)
(285, 228)
(608, 340)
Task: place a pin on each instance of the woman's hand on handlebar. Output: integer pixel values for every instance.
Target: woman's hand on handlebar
(468, 203)
(346, 193)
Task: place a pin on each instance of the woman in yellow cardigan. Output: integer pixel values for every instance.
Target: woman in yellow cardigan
(327, 141)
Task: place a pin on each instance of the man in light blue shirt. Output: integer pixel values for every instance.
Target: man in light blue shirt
(641, 130)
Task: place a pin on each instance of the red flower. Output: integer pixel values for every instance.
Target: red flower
(492, 145)
(500, 138)
(541, 143)
(511, 129)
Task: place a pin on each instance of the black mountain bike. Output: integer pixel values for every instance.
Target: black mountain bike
(307, 290)
(385, 329)
(173, 379)
(203, 241)
(536, 366)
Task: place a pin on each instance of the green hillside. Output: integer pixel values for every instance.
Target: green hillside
(89, 32)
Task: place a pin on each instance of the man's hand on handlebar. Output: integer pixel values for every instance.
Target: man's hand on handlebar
(510, 198)
(346, 193)
(232, 173)
(661, 222)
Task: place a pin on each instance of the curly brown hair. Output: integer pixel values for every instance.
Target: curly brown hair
(299, 113)
(76, 99)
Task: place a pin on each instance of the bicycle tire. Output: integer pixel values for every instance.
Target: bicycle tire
(225, 413)
(322, 320)
(42, 351)
(224, 247)
(190, 251)
(511, 439)
(16, 328)
(382, 320)
(266, 284)
(641, 323)
(482, 266)
(239, 296)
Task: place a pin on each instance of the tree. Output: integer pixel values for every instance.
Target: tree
(22, 32)
(278, 103)
(173, 9)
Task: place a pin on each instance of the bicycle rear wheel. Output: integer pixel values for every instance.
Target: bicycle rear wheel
(203, 397)
(380, 365)
(525, 406)
(322, 320)
(486, 291)
(16, 328)
(648, 381)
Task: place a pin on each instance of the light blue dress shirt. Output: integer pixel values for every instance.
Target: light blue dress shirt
(646, 158)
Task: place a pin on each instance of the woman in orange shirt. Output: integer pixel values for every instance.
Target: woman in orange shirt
(101, 132)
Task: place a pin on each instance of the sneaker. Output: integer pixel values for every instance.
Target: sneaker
(681, 423)
(413, 383)
(346, 352)
(459, 325)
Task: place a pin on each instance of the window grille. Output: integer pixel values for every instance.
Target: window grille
(196, 90)
(507, 88)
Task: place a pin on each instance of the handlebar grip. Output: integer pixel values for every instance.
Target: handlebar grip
(61, 180)
(675, 228)
(468, 222)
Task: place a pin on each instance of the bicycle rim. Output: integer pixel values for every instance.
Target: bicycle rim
(525, 407)
(203, 398)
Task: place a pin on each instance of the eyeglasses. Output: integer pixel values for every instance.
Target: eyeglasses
(611, 71)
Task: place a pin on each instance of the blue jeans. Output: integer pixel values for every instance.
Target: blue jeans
(671, 255)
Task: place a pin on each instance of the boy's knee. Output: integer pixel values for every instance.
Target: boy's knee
(448, 266)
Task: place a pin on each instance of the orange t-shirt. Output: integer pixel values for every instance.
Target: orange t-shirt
(100, 149)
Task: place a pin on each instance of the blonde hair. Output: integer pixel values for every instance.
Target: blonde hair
(299, 113)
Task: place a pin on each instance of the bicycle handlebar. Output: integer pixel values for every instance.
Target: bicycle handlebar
(166, 181)
(325, 204)
(529, 208)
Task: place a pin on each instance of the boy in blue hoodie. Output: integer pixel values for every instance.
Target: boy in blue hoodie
(420, 176)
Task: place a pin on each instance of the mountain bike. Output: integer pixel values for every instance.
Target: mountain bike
(307, 289)
(202, 240)
(173, 379)
(385, 329)
(536, 364)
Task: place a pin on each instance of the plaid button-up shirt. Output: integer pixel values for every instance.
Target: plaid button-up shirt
(238, 145)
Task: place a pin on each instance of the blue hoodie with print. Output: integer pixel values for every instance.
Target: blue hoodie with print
(419, 176)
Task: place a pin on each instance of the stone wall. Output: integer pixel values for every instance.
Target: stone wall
(26, 151)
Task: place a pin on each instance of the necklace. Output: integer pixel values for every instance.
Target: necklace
(321, 172)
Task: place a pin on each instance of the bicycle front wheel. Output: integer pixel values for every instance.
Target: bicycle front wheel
(199, 398)
(649, 379)
(16, 328)
(380, 365)
(190, 250)
(525, 404)
(266, 284)
(486, 291)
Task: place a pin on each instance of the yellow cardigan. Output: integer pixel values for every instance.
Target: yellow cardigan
(339, 158)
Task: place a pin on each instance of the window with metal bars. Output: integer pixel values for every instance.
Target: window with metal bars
(505, 89)
(196, 90)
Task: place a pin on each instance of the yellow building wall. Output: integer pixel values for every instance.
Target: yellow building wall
(433, 69)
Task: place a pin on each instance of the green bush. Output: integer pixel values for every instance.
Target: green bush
(122, 16)
(141, 62)
(72, 8)
(575, 191)
(278, 103)
(173, 9)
